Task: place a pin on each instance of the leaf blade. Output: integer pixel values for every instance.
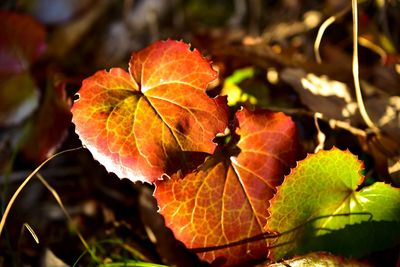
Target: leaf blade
(152, 120)
(222, 202)
(150, 66)
(327, 204)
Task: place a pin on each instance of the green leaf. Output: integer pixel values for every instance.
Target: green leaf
(356, 240)
(320, 195)
(242, 87)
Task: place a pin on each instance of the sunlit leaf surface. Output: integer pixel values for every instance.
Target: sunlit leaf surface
(226, 200)
(320, 195)
(152, 120)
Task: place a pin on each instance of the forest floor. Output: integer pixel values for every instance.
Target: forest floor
(278, 55)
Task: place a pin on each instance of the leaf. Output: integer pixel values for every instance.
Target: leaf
(19, 97)
(242, 87)
(320, 195)
(148, 122)
(232, 89)
(48, 126)
(356, 240)
(318, 259)
(22, 41)
(225, 201)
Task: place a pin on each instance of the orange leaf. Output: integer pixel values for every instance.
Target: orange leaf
(48, 125)
(150, 121)
(226, 200)
(22, 41)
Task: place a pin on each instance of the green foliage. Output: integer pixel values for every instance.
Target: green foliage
(242, 87)
(355, 240)
(321, 195)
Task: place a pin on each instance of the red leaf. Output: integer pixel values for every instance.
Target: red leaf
(146, 123)
(226, 200)
(49, 124)
(22, 41)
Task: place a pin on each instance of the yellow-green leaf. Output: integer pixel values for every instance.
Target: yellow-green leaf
(321, 195)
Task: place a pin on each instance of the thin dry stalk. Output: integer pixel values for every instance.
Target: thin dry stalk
(15, 195)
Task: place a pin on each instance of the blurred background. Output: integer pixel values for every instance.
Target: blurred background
(280, 55)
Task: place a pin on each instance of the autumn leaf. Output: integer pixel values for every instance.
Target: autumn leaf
(22, 42)
(226, 200)
(320, 195)
(150, 121)
(19, 97)
(48, 126)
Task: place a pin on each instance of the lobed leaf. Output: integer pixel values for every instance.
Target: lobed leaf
(320, 195)
(150, 121)
(225, 200)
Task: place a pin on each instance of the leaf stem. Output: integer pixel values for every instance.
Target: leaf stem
(270, 235)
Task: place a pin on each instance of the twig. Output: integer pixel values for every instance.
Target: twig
(333, 123)
(15, 195)
(375, 48)
(355, 66)
(320, 136)
(346, 126)
(33, 234)
(322, 29)
(273, 235)
(58, 199)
